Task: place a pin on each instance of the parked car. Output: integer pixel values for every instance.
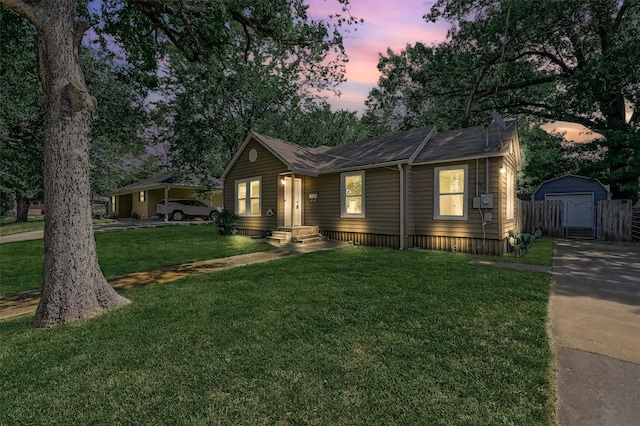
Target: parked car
(185, 208)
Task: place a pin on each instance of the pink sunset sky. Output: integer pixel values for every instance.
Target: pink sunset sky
(387, 24)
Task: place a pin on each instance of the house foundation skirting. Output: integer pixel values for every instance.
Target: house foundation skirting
(424, 242)
(251, 232)
(460, 244)
(378, 240)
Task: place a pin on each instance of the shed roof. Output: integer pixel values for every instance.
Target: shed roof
(551, 183)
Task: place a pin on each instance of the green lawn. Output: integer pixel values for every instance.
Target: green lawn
(9, 226)
(539, 253)
(357, 336)
(125, 251)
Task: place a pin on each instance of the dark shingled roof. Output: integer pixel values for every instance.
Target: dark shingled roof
(393, 148)
(423, 145)
(298, 157)
(466, 143)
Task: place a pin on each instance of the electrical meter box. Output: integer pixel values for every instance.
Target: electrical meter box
(484, 201)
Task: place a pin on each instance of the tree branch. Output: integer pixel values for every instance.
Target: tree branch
(535, 108)
(621, 12)
(24, 9)
(500, 89)
(553, 58)
(575, 43)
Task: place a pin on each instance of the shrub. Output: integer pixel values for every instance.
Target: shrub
(226, 222)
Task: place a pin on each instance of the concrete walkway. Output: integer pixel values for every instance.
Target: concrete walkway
(17, 304)
(594, 314)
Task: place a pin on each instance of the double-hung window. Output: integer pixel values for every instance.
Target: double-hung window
(352, 194)
(451, 192)
(248, 197)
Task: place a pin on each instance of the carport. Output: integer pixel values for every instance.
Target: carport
(140, 199)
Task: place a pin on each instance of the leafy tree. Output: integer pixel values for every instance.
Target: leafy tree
(21, 150)
(207, 115)
(546, 156)
(570, 60)
(119, 116)
(614, 160)
(313, 123)
(117, 131)
(74, 286)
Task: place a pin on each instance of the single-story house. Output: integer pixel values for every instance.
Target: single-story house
(580, 196)
(140, 199)
(419, 188)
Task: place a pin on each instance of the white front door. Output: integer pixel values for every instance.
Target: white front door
(292, 202)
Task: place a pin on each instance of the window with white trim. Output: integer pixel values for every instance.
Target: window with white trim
(451, 192)
(352, 194)
(511, 194)
(248, 200)
(141, 196)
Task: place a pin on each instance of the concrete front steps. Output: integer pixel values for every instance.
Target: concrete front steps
(297, 234)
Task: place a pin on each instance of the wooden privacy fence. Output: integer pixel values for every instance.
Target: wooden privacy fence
(614, 217)
(616, 220)
(635, 224)
(544, 215)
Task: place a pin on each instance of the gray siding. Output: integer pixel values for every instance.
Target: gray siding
(382, 203)
(506, 225)
(424, 222)
(266, 166)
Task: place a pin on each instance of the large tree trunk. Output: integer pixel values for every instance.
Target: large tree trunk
(22, 208)
(74, 286)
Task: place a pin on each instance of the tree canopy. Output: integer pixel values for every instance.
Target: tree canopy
(21, 114)
(571, 60)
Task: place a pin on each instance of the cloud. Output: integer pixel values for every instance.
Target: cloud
(387, 24)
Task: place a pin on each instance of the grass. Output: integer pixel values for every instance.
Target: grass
(126, 251)
(8, 225)
(539, 253)
(354, 336)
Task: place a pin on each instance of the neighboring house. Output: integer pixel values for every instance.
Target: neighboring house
(419, 188)
(580, 196)
(140, 199)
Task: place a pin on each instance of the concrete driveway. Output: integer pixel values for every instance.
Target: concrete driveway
(595, 328)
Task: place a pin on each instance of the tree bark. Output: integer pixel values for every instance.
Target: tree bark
(74, 286)
(22, 208)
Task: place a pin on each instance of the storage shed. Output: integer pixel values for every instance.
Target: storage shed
(580, 196)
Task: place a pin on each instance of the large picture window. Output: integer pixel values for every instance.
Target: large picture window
(248, 197)
(451, 192)
(352, 194)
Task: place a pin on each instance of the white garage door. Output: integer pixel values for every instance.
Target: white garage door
(578, 209)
